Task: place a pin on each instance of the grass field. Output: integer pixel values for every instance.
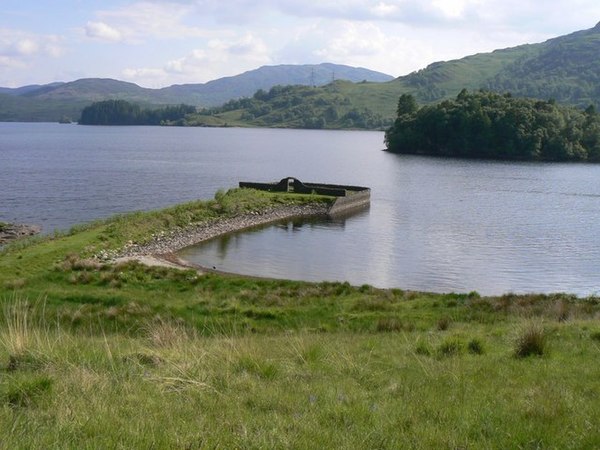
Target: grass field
(94, 355)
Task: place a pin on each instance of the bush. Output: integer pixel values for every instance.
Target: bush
(531, 341)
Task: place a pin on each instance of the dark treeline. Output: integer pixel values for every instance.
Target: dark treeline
(490, 125)
(121, 112)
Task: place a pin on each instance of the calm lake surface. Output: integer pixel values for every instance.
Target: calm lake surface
(434, 224)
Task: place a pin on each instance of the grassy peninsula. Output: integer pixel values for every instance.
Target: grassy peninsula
(98, 355)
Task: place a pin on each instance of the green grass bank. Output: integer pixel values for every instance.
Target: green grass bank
(97, 355)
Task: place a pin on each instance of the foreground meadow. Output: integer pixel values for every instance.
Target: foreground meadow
(97, 355)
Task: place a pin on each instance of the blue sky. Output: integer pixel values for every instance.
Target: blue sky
(157, 43)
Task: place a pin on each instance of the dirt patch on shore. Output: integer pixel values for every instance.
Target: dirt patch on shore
(11, 231)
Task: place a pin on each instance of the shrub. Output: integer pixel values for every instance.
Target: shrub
(365, 288)
(531, 341)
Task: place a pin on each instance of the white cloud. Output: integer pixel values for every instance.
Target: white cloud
(363, 44)
(481, 14)
(143, 74)
(141, 21)
(217, 58)
(9, 62)
(198, 40)
(26, 47)
(102, 31)
(451, 8)
(19, 48)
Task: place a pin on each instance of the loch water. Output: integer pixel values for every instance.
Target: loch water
(434, 224)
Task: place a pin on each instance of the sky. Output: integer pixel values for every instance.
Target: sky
(156, 43)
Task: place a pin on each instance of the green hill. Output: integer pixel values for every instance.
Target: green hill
(566, 69)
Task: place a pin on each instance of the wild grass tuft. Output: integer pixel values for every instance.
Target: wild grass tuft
(423, 348)
(475, 347)
(443, 323)
(17, 335)
(562, 310)
(531, 341)
(388, 324)
(450, 347)
(162, 333)
(25, 392)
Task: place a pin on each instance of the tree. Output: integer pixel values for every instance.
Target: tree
(406, 105)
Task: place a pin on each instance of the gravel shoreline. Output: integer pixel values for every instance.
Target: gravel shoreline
(165, 244)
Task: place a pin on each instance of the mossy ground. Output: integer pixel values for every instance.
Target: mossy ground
(102, 356)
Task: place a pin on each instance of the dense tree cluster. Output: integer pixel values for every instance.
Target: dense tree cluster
(121, 112)
(490, 125)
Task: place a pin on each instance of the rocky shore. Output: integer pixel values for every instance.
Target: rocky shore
(11, 231)
(164, 244)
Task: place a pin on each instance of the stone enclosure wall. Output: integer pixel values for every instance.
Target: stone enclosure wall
(348, 197)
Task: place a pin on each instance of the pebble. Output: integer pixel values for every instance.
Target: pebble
(169, 242)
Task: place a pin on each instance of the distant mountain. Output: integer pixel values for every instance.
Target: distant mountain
(52, 101)
(219, 91)
(24, 90)
(55, 101)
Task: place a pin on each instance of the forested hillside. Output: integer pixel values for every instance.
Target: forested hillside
(293, 107)
(566, 69)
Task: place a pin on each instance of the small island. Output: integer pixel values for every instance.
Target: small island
(495, 126)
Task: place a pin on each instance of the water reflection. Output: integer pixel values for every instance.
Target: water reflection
(278, 249)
